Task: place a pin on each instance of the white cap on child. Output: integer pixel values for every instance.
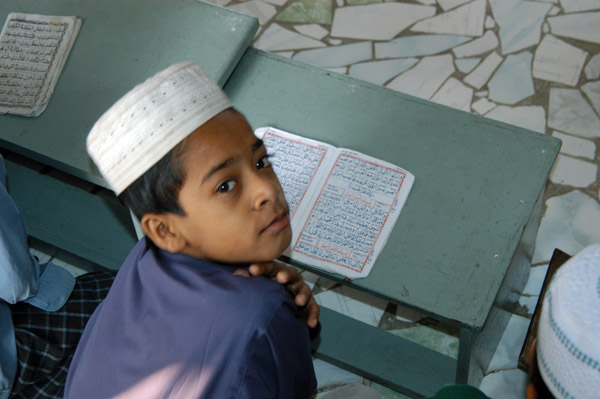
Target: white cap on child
(568, 347)
(144, 125)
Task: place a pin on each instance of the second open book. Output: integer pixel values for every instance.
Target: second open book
(343, 204)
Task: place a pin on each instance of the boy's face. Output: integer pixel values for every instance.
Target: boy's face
(235, 210)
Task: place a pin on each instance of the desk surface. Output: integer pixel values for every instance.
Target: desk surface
(120, 43)
(476, 180)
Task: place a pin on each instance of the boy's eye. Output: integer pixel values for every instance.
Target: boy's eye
(264, 162)
(226, 187)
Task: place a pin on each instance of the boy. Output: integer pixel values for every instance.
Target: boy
(177, 322)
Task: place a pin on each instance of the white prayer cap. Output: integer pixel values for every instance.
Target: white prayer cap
(568, 347)
(144, 125)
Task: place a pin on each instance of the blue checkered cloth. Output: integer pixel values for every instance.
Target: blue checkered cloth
(46, 341)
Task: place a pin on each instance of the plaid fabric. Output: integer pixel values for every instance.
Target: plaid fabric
(46, 341)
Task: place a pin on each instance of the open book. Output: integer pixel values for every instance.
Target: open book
(343, 204)
(33, 52)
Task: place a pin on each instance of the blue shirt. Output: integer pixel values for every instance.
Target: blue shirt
(22, 279)
(180, 327)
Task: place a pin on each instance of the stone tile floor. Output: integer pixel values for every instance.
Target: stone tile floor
(535, 64)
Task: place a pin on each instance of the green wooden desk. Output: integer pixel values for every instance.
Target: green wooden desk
(460, 250)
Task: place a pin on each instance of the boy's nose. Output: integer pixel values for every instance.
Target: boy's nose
(264, 192)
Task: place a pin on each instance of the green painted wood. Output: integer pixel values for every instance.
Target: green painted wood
(476, 180)
(62, 215)
(121, 43)
(382, 357)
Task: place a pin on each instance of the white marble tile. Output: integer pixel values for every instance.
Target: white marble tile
(579, 5)
(592, 91)
(505, 384)
(535, 282)
(340, 3)
(558, 61)
(259, 9)
(466, 20)
(485, 43)
(325, 283)
(481, 93)
(454, 94)
(545, 28)
(509, 347)
(329, 375)
(569, 112)
(427, 2)
(353, 303)
(312, 30)
(489, 22)
(41, 255)
(480, 75)
(334, 42)
(430, 338)
(74, 269)
(379, 72)
(583, 26)
(342, 70)
(592, 69)
(417, 45)
(520, 23)
(221, 3)
(426, 77)
(278, 38)
(337, 56)
(276, 2)
(466, 65)
(528, 116)
(483, 106)
(286, 54)
(576, 146)
(381, 21)
(573, 172)
(528, 303)
(450, 4)
(570, 224)
(512, 81)
(554, 11)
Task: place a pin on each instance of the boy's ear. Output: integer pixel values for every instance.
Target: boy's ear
(162, 231)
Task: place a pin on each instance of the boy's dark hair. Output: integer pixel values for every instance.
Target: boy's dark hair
(157, 190)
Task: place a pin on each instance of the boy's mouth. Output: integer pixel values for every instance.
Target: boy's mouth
(278, 223)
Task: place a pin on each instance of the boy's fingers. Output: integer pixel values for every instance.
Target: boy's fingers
(313, 312)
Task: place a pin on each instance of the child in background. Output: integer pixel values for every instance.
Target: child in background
(178, 322)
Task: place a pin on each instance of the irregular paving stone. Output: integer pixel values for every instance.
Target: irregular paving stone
(311, 11)
(454, 94)
(528, 116)
(482, 106)
(381, 21)
(485, 43)
(466, 65)
(278, 38)
(520, 23)
(512, 82)
(426, 77)
(379, 72)
(573, 172)
(570, 113)
(312, 30)
(570, 223)
(592, 69)
(576, 146)
(579, 5)
(450, 4)
(480, 75)
(592, 91)
(558, 61)
(584, 26)
(417, 45)
(259, 9)
(336, 56)
(467, 20)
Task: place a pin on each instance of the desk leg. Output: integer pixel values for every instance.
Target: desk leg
(464, 356)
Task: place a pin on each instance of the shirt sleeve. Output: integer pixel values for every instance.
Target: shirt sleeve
(280, 363)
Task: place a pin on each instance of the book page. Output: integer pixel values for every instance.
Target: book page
(353, 215)
(33, 51)
(296, 161)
